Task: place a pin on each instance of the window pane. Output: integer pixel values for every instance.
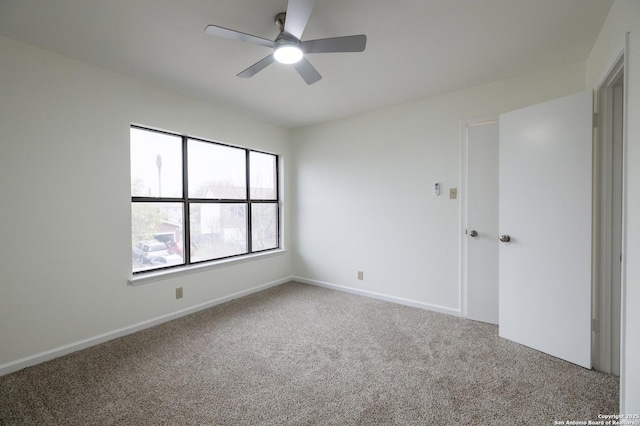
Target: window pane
(216, 171)
(263, 176)
(264, 226)
(156, 235)
(217, 230)
(156, 164)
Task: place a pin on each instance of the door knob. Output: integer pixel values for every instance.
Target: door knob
(473, 233)
(505, 238)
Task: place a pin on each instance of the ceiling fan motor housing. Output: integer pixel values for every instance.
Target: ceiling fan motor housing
(280, 19)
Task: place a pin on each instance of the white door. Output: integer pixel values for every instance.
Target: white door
(482, 221)
(545, 208)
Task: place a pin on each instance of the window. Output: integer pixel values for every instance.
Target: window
(194, 200)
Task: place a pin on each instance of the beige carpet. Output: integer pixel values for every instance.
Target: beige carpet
(302, 355)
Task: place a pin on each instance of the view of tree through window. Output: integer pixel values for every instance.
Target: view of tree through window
(229, 196)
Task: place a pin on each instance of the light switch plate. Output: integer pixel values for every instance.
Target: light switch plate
(453, 193)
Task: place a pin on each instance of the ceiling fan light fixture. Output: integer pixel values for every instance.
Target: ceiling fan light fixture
(287, 53)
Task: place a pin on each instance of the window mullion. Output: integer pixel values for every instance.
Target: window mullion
(248, 200)
(278, 216)
(186, 226)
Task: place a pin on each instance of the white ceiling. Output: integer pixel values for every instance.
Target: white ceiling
(415, 48)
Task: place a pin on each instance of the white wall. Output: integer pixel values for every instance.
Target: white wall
(363, 193)
(65, 252)
(625, 17)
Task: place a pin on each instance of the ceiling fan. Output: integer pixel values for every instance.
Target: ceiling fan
(287, 47)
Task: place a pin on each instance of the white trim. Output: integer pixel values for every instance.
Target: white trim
(96, 340)
(603, 217)
(153, 276)
(464, 139)
(385, 297)
(623, 274)
(618, 63)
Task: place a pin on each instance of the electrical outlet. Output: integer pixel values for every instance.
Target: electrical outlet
(360, 275)
(179, 293)
(453, 193)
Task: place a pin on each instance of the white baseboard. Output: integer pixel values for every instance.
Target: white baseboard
(393, 299)
(96, 340)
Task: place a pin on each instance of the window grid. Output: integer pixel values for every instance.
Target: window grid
(187, 202)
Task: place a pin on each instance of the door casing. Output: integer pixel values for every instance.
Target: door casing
(609, 229)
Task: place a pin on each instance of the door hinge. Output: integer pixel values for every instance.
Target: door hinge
(595, 122)
(595, 327)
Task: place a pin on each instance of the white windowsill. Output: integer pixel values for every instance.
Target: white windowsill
(147, 277)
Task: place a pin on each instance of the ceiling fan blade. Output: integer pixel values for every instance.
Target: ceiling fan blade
(354, 43)
(307, 71)
(298, 12)
(257, 67)
(214, 30)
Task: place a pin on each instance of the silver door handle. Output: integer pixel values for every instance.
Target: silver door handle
(473, 233)
(505, 238)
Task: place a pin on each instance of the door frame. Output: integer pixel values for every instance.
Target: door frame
(602, 251)
(464, 205)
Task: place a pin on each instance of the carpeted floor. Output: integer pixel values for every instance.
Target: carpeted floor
(304, 355)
